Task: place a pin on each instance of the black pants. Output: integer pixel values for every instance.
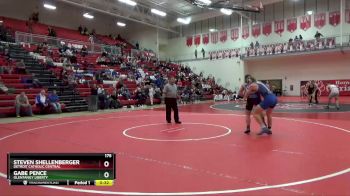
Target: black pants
(171, 103)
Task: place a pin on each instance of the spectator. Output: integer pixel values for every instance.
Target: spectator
(23, 102)
(195, 53)
(21, 67)
(41, 101)
(93, 99)
(300, 37)
(49, 61)
(318, 35)
(3, 88)
(296, 39)
(36, 83)
(51, 32)
(257, 45)
(151, 93)
(85, 31)
(35, 16)
(203, 53)
(251, 45)
(84, 51)
(54, 102)
(137, 46)
(80, 29)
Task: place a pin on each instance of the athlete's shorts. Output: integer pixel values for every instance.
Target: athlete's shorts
(251, 102)
(333, 94)
(270, 101)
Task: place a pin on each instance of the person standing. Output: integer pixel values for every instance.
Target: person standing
(252, 101)
(195, 53)
(333, 93)
(267, 104)
(170, 99)
(151, 93)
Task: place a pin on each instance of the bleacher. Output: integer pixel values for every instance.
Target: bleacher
(73, 98)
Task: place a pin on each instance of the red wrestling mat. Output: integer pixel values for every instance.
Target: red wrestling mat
(207, 154)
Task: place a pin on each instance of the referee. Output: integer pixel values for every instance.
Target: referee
(170, 99)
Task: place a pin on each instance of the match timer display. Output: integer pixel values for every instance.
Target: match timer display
(82, 169)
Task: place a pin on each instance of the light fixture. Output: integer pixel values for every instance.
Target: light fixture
(49, 6)
(184, 20)
(310, 12)
(158, 12)
(226, 11)
(207, 2)
(121, 24)
(129, 2)
(213, 30)
(89, 16)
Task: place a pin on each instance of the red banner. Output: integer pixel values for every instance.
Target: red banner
(245, 32)
(292, 24)
(347, 16)
(235, 34)
(256, 30)
(320, 20)
(343, 85)
(267, 28)
(334, 18)
(197, 40)
(223, 36)
(214, 37)
(279, 27)
(189, 41)
(305, 22)
(205, 38)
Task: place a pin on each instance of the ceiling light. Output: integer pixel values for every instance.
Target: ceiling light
(207, 2)
(310, 12)
(89, 16)
(184, 20)
(226, 11)
(129, 2)
(48, 6)
(121, 24)
(158, 12)
(213, 30)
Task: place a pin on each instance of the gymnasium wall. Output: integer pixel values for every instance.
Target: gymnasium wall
(293, 69)
(71, 17)
(177, 49)
(227, 72)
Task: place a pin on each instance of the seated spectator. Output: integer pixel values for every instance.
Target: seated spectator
(21, 67)
(3, 88)
(41, 101)
(23, 102)
(54, 102)
(140, 96)
(125, 92)
(84, 51)
(49, 61)
(36, 83)
(113, 100)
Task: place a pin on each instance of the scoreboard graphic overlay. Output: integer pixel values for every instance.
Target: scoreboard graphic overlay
(80, 169)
